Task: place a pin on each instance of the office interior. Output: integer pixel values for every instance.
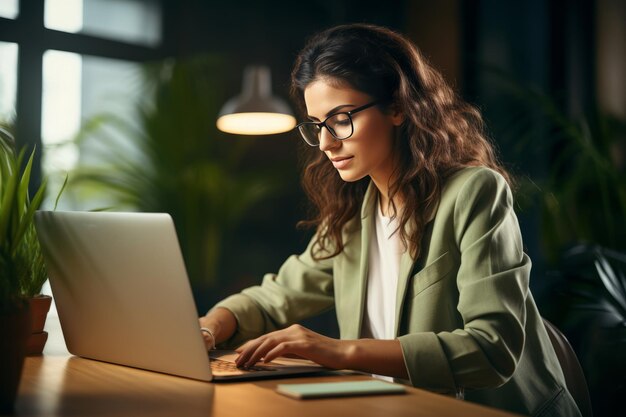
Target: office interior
(86, 81)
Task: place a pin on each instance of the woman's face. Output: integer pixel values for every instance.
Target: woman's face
(369, 151)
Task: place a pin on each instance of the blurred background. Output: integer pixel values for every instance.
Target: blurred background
(121, 98)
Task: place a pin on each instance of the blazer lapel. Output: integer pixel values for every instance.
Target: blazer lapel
(407, 264)
(357, 296)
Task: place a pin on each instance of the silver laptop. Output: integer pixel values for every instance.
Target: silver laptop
(123, 296)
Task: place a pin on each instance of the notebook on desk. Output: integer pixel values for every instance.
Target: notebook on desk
(123, 296)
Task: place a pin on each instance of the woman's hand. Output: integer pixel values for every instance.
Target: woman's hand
(295, 341)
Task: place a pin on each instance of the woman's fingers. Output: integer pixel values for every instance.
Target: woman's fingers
(293, 341)
(259, 352)
(247, 349)
(253, 351)
(282, 349)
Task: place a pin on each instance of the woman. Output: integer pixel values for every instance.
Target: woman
(417, 246)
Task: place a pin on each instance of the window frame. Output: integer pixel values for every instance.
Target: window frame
(27, 30)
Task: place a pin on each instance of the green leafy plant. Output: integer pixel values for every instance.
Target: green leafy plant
(589, 304)
(22, 270)
(170, 157)
(582, 194)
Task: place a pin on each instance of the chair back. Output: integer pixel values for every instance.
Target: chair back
(573, 372)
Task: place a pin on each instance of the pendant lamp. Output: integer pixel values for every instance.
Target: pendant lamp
(255, 111)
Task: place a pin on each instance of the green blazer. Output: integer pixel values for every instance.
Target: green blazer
(465, 317)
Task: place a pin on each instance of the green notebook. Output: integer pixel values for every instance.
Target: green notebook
(339, 389)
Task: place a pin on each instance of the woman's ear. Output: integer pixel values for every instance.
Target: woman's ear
(397, 116)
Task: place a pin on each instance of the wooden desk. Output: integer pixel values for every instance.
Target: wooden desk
(58, 384)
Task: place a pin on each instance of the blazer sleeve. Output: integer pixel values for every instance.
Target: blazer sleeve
(492, 282)
(302, 288)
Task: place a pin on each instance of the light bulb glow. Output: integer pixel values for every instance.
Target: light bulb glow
(256, 123)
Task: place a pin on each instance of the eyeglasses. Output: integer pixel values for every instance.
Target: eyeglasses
(339, 125)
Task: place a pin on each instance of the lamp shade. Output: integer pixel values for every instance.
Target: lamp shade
(255, 111)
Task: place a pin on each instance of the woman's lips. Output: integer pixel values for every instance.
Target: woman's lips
(341, 162)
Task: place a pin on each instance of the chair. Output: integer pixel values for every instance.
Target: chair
(574, 377)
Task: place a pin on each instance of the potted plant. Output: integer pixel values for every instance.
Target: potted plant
(31, 289)
(18, 263)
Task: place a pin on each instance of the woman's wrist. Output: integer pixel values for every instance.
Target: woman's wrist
(350, 355)
(220, 323)
(208, 333)
(383, 357)
(210, 327)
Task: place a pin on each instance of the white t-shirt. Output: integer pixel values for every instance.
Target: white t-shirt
(385, 252)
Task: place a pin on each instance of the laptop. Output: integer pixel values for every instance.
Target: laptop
(123, 296)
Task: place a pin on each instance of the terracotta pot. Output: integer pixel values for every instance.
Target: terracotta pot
(39, 306)
(16, 329)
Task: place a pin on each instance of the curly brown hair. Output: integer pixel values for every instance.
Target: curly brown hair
(440, 134)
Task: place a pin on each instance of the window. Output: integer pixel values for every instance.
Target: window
(64, 15)
(61, 109)
(75, 89)
(65, 78)
(8, 80)
(9, 8)
(132, 21)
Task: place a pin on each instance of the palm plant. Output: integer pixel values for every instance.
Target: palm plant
(171, 158)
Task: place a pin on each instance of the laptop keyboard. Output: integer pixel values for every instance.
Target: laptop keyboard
(218, 365)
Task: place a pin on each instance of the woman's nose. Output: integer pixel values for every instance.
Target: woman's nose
(328, 141)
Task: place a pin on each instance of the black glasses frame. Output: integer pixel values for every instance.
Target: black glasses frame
(332, 132)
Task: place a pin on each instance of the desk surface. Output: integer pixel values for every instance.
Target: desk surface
(58, 384)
